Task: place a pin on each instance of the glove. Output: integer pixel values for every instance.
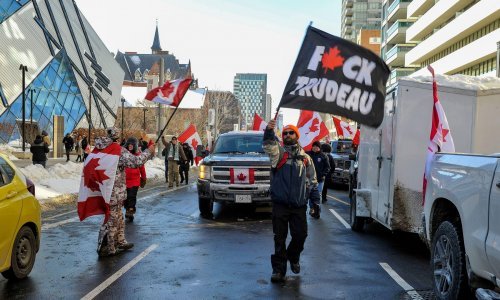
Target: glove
(143, 182)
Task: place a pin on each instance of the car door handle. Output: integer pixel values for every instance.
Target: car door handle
(11, 194)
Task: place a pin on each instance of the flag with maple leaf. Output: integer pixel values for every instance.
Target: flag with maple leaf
(242, 175)
(311, 128)
(440, 139)
(191, 136)
(171, 93)
(336, 76)
(258, 123)
(343, 128)
(98, 178)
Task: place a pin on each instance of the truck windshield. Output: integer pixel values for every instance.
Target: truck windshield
(239, 144)
(341, 147)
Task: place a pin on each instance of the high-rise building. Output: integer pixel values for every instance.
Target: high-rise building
(65, 62)
(394, 43)
(456, 37)
(370, 39)
(269, 111)
(250, 90)
(360, 14)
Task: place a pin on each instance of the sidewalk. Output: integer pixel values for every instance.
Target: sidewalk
(21, 163)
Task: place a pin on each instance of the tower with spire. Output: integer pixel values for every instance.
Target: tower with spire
(156, 48)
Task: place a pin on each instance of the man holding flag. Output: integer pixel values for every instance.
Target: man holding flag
(103, 189)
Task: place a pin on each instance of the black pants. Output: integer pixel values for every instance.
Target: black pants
(184, 172)
(131, 197)
(67, 154)
(284, 217)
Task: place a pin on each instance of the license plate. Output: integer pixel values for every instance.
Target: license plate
(243, 199)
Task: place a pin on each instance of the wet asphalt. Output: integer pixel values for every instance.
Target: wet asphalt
(179, 255)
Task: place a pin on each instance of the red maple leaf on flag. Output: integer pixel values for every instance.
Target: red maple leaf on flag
(241, 177)
(194, 143)
(93, 177)
(167, 89)
(348, 128)
(332, 59)
(314, 126)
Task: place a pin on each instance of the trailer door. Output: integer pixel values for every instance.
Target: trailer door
(385, 161)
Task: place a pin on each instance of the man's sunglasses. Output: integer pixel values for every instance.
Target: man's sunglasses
(288, 132)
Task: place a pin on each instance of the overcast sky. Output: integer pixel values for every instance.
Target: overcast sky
(220, 37)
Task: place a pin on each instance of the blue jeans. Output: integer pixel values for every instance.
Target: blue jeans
(320, 189)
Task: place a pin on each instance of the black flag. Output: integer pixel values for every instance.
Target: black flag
(336, 76)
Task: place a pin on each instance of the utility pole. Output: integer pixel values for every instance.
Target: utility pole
(32, 90)
(161, 81)
(24, 69)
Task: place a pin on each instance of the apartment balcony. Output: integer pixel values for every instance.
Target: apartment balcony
(418, 7)
(348, 21)
(347, 3)
(395, 57)
(398, 73)
(348, 12)
(397, 10)
(347, 31)
(396, 34)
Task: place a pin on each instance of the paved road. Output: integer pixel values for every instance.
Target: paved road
(178, 255)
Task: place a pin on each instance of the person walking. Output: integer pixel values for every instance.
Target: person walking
(293, 181)
(112, 234)
(322, 167)
(39, 149)
(175, 156)
(327, 149)
(85, 147)
(184, 166)
(68, 145)
(78, 148)
(45, 137)
(135, 178)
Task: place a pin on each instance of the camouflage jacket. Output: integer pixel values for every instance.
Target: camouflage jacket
(127, 160)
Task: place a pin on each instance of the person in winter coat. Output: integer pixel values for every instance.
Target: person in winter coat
(85, 143)
(45, 137)
(135, 178)
(39, 150)
(68, 144)
(113, 232)
(322, 167)
(184, 166)
(327, 149)
(78, 148)
(292, 172)
(175, 156)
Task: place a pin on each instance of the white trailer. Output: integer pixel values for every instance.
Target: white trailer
(391, 158)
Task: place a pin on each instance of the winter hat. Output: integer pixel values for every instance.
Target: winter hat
(132, 141)
(112, 133)
(293, 128)
(317, 144)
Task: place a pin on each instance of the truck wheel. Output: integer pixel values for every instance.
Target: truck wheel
(357, 223)
(206, 206)
(448, 263)
(23, 255)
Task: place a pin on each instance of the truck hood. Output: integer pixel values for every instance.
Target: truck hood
(237, 160)
(340, 156)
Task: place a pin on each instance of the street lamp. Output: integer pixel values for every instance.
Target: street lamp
(23, 69)
(144, 110)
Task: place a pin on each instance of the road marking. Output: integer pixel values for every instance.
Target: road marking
(337, 199)
(402, 283)
(55, 216)
(119, 273)
(346, 225)
(52, 225)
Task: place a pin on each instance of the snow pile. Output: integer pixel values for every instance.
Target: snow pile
(460, 81)
(155, 169)
(7, 150)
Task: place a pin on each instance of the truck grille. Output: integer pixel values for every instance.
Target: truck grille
(261, 175)
(343, 164)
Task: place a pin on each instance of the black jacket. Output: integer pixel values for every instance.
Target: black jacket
(321, 164)
(39, 150)
(68, 142)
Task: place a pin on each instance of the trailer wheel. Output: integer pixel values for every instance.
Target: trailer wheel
(357, 223)
(448, 263)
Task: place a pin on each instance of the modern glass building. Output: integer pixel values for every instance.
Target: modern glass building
(360, 14)
(251, 90)
(66, 63)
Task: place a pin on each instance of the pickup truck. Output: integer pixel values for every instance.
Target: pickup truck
(341, 149)
(236, 171)
(462, 225)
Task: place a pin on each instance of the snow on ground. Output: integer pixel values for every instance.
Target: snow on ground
(460, 81)
(63, 179)
(7, 150)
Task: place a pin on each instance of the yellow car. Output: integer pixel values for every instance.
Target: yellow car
(20, 226)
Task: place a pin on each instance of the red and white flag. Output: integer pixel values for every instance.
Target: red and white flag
(355, 140)
(191, 136)
(440, 137)
(344, 129)
(242, 176)
(171, 93)
(258, 123)
(98, 178)
(311, 128)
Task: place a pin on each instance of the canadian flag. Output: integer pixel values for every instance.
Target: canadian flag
(311, 128)
(355, 140)
(98, 178)
(191, 136)
(343, 128)
(171, 93)
(242, 175)
(440, 137)
(258, 123)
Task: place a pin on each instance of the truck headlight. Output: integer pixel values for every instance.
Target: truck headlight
(204, 172)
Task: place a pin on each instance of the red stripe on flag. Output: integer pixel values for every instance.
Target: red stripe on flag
(113, 148)
(231, 175)
(93, 206)
(251, 174)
